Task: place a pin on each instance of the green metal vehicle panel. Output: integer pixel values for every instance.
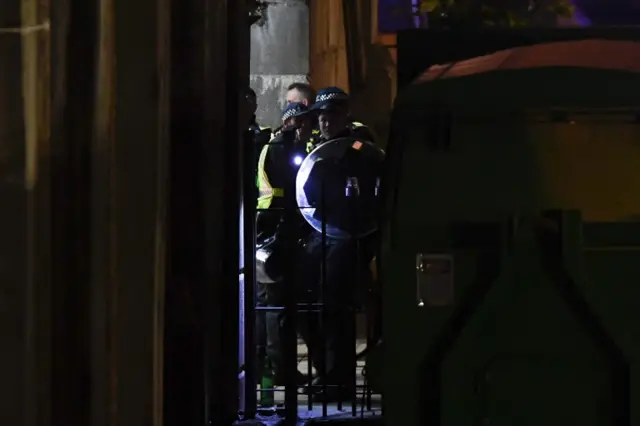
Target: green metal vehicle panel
(511, 259)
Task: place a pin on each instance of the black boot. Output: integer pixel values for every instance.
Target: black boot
(334, 392)
(279, 379)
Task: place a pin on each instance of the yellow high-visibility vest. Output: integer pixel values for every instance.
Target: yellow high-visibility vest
(311, 143)
(266, 192)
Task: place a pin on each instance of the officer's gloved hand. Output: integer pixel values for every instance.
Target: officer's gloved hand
(295, 135)
(288, 134)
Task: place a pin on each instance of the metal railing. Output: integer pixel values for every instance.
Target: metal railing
(302, 306)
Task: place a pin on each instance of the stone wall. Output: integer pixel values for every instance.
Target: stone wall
(279, 55)
(304, 41)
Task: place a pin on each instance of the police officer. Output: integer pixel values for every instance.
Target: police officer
(345, 262)
(301, 92)
(261, 134)
(305, 94)
(277, 167)
(296, 123)
(332, 108)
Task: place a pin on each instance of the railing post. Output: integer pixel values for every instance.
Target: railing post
(249, 272)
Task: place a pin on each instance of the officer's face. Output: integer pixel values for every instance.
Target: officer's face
(295, 96)
(331, 123)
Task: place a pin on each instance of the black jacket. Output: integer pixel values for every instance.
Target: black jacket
(282, 172)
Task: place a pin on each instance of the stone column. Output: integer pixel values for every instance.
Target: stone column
(279, 55)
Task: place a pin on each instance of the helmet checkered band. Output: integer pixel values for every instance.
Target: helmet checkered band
(292, 111)
(332, 97)
(288, 114)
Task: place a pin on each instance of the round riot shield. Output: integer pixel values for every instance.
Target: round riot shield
(338, 184)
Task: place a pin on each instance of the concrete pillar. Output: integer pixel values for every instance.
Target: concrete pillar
(279, 55)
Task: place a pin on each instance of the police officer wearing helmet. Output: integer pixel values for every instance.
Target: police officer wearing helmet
(296, 128)
(343, 261)
(305, 94)
(332, 108)
(277, 168)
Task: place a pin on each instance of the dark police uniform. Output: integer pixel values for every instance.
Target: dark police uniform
(345, 263)
(278, 164)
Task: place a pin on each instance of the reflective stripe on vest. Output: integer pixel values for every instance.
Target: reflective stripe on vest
(265, 191)
(311, 143)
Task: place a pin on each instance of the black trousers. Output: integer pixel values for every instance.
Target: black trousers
(339, 285)
(335, 276)
(269, 327)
